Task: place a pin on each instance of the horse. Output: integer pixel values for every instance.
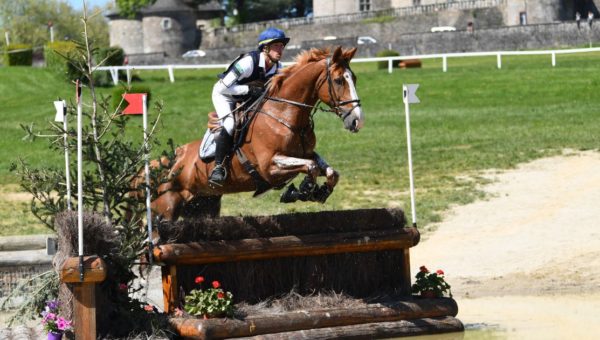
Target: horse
(278, 143)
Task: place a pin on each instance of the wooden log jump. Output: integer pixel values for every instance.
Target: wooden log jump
(327, 318)
(367, 250)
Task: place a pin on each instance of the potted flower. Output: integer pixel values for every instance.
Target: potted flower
(53, 324)
(430, 284)
(209, 303)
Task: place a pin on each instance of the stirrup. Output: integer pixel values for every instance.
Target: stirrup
(218, 175)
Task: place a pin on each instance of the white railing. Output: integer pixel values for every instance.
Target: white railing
(114, 70)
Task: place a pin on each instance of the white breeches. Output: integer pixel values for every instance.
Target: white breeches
(224, 105)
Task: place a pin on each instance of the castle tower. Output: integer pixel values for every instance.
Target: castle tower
(169, 27)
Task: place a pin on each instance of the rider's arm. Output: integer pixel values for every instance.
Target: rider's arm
(229, 84)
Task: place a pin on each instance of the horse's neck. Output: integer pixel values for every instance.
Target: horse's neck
(300, 86)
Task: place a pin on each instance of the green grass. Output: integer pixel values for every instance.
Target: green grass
(472, 118)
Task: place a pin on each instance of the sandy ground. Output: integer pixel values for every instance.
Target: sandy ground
(524, 264)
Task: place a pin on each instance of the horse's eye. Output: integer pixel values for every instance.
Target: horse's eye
(339, 81)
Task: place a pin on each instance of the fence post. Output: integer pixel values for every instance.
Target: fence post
(128, 76)
(499, 60)
(171, 76)
(553, 59)
(114, 73)
(390, 66)
(445, 63)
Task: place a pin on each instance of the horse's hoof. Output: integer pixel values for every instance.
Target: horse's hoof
(290, 195)
(321, 194)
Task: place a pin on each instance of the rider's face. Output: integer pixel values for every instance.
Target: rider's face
(276, 51)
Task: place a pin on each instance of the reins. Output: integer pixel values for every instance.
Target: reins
(335, 108)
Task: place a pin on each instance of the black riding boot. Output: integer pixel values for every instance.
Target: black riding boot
(223, 147)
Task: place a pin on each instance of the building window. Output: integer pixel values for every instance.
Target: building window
(364, 5)
(523, 18)
(165, 24)
(416, 2)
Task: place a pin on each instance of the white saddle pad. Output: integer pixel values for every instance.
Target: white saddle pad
(208, 146)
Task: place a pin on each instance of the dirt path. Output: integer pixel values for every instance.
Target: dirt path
(535, 245)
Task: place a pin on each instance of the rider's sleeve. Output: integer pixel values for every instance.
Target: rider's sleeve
(241, 69)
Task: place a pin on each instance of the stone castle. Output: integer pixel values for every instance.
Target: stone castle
(168, 28)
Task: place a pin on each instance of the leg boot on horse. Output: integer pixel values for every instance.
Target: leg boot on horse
(223, 148)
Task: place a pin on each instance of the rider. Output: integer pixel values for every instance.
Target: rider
(234, 85)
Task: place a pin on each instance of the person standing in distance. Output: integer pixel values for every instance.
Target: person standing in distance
(233, 87)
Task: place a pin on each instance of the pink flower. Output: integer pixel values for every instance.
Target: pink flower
(149, 308)
(123, 286)
(439, 272)
(63, 324)
(199, 279)
(220, 295)
(216, 284)
(423, 269)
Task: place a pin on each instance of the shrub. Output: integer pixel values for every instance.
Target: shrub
(109, 56)
(54, 54)
(387, 53)
(18, 55)
(118, 92)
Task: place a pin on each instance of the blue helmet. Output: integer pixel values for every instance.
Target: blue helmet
(272, 35)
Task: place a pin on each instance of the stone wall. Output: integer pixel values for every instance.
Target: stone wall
(558, 35)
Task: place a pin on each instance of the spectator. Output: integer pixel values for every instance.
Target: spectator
(590, 18)
(578, 19)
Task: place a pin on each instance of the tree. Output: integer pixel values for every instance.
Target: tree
(244, 11)
(27, 21)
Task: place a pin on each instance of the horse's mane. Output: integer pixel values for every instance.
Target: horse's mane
(301, 60)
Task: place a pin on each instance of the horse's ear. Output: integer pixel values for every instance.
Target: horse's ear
(337, 54)
(349, 54)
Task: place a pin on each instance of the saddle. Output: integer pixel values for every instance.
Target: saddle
(243, 115)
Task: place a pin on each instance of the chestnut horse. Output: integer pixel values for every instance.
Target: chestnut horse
(278, 144)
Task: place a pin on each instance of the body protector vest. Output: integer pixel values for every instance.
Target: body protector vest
(258, 73)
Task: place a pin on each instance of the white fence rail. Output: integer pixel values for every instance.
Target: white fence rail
(114, 70)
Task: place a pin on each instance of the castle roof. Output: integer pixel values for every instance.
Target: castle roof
(164, 6)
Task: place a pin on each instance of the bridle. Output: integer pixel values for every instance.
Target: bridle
(335, 106)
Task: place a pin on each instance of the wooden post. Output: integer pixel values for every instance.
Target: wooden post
(169, 281)
(84, 305)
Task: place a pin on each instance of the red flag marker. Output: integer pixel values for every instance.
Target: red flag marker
(136, 106)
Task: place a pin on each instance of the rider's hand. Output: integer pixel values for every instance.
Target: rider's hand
(255, 91)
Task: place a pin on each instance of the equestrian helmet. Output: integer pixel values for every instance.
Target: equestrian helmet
(271, 35)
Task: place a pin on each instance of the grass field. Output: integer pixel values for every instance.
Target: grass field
(472, 118)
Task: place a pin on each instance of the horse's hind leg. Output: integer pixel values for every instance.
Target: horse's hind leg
(168, 206)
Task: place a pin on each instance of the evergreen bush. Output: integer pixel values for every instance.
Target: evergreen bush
(109, 56)
(387, 53)
(18, 55)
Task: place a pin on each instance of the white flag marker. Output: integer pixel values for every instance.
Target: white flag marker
(409, 97)
(79, 178)
(61, 110)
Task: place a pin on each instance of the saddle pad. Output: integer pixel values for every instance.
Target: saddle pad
(207, 147)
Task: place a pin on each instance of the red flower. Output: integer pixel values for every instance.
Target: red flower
(424, 269)
(149, 308)
(199, 279)
(216, 284)
(440, 272)
(123, 286)
(220, 295)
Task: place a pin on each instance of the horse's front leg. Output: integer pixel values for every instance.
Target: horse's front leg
(284, 166)
(309, 190)
(330, 173)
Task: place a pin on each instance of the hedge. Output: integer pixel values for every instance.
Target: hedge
(18, 55)
(53, 54)
(387, 53)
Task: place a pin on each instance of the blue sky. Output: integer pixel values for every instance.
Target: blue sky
(78, 4)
